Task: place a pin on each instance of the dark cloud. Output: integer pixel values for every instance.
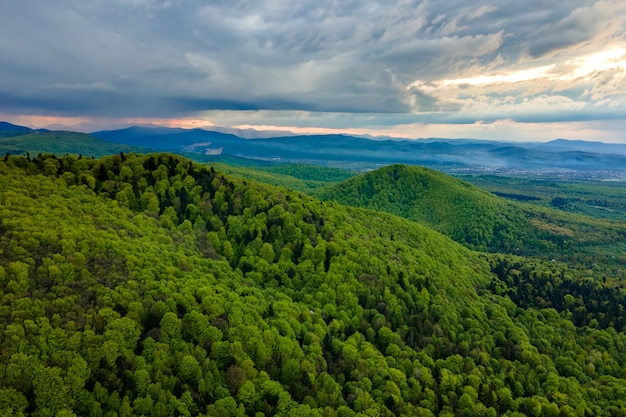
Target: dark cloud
(154, 58)
(579, 26)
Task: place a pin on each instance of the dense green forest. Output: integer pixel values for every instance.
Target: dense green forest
(148, 285)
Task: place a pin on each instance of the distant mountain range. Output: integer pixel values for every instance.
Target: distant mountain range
(361, 153)
(344, 151)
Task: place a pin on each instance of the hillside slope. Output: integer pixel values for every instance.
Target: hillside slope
(9, 129)
(61, 143)
(473, 216)
(460, 210)
(304, 178)
(147, 285)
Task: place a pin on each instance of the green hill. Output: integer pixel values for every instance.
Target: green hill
(464, 212)
(147, 285)
(475, 217)
(8, 130)
(61, 143)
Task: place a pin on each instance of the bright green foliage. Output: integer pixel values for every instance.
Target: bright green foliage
(465, 213)
(148, 285)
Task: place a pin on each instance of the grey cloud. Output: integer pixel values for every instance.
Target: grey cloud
(424, 102)
(532, 117)
(158, 58)
(581, 25)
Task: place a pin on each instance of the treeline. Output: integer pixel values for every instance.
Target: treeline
(310, 173)
(147, 285)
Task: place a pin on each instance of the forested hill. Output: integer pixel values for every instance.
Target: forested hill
(458, 209)
(473, 216)
(147, 285)
(8, 129)
(58, 143)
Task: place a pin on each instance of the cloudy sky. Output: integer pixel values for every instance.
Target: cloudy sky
(513, 70)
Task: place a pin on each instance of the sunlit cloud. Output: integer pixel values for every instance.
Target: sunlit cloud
(599, 76)
(580, 67)
(513, 77)
(610, 60)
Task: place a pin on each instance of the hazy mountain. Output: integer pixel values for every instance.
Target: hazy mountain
(581, 145)
(8, 130)
(134, 133)
(359, 153)
(9, 127)
(362, 153)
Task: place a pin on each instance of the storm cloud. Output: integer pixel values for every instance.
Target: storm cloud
(444, 62)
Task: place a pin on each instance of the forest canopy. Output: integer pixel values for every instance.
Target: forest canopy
(149, 285)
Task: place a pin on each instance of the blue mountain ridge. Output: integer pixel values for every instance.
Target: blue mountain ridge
(358, 152)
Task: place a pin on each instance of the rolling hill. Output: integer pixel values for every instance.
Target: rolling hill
(473, 216)
(458, 209)
(8, 130)
(61, 143)
(148, 285)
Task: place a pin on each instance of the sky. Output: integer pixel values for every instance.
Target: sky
(487, 69)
